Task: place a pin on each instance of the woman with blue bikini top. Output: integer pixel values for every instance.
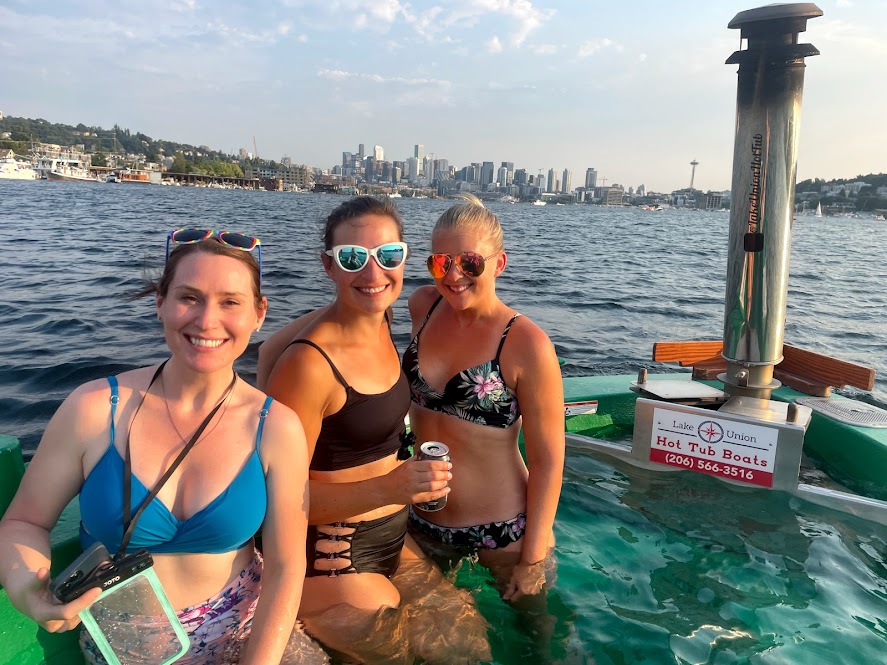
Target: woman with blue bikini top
(247, 468)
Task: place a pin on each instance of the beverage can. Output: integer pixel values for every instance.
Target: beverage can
(436, 452)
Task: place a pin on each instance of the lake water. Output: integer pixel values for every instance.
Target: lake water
(655, 568)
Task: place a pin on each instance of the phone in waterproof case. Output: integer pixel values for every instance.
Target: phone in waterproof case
(132, 622)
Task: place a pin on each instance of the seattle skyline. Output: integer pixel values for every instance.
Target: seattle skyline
(636, 92)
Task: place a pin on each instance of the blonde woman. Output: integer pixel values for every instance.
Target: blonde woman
(479, 373)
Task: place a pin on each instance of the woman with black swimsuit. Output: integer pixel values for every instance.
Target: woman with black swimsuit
(342, 376)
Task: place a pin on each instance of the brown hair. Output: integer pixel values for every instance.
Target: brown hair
(471, 216)
(359, 206)
(160, 286)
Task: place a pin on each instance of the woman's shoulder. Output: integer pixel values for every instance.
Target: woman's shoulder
(277, 344)
(528, 338)
(283, 437)
(84, 413)
(305, 362)
(421, 300)
(99, 391)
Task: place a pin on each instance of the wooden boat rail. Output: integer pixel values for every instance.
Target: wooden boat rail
(805, 371)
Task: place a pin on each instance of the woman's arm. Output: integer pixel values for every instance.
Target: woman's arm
(540, 394)
(284, 457)
(411, 482)
(52, 479)
(273, 347)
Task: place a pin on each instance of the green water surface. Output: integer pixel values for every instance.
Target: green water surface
(682, 568)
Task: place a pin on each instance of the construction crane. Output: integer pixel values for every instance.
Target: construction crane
(255, 149)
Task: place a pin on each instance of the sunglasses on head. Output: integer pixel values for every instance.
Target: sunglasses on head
(353, 258)
(469, 263)
(227, 238)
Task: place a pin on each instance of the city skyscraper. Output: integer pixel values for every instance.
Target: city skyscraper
(419, 152)
(486, 174)
(412, 173)
(502, 176)
(361, 153)
(566, 186)
(590, 179)
(378, 153)
(552, 186)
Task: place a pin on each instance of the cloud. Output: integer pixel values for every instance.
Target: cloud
(593, 46)
(183, 5)
(364, 14)
(334, 74)
(523, 16)
(339, 75)
(544, 49)
(494, 45)
(499, 86)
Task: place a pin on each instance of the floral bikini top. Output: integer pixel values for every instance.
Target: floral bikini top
(477, 394)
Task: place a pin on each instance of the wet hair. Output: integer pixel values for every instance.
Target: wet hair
(470, 216)
(359, 206)
(160, 286)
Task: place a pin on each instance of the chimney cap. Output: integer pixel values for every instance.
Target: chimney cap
(795, 14)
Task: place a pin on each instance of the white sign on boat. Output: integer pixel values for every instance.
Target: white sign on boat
(713, 445)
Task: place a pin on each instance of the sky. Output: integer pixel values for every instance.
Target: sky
(635, 89)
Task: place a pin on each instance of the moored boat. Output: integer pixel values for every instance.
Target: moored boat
(63, 167)
(137, 176)
(12, 169)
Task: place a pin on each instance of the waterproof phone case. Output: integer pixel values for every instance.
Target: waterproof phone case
(133, 622)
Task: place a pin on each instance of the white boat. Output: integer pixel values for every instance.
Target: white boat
(63, 167)
(71, 170)
(538, 202)
(395, 195)
(12, 169)
(818, 210)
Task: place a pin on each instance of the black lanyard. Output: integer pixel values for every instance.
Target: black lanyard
(129, 524)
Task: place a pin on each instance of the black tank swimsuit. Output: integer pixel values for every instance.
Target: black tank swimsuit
(365, 429)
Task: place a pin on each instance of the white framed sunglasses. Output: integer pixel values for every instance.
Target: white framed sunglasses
(354, 258)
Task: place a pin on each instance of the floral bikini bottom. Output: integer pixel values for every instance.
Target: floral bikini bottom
(481, 537)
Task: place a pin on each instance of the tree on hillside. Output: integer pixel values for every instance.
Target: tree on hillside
(99, 159)
(180, 164)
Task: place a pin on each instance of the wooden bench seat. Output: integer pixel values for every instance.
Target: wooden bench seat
(805, 371)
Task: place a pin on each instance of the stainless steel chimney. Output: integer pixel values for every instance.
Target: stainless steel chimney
(768, 108)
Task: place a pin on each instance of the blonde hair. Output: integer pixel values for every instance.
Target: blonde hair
(472, 217)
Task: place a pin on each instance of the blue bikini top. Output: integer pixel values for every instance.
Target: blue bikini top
(226, 524)
(477, 394)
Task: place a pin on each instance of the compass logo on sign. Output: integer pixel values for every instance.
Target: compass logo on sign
(710, 432)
